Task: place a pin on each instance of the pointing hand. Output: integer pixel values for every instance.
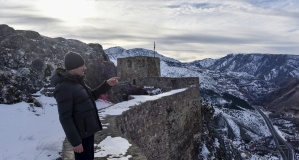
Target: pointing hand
(113, 81)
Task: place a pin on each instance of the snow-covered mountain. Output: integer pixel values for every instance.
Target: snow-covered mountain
(119, 52)
(283, 100)
(205, 63)
(282, 71)
(270, 67)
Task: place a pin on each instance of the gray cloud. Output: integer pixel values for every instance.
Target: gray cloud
(195, 5)
(32, 20)
(22, 14)
(185, 30)
(203, 38)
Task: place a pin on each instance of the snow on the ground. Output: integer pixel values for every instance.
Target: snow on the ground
(35, 133)
(118, 108)
(113, 147)
(280, 133)
(248, 118)
(205, 151)
(30, 133)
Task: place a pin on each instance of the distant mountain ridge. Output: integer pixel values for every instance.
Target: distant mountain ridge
(271, 67)
(119, 52)
(279, 69)
(284, 99)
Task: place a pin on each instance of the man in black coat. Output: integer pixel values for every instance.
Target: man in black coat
(77, 109)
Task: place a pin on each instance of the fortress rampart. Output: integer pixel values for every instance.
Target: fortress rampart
(168, 83)
(168, 128)
(165, 129)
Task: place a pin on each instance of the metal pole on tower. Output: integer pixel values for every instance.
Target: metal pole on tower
(154, 49)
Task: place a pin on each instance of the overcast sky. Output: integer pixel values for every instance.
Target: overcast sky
(186, 30)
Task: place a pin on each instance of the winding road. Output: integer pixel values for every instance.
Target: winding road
(285, 149)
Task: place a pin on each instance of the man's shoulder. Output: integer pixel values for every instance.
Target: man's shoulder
(66, 85)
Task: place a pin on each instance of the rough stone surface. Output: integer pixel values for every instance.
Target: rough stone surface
(167, 128)
(132, 68)
(167, 83)
(67, 152)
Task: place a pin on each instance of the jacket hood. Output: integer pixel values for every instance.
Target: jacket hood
(61, 75)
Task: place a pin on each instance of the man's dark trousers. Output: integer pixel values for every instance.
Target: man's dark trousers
(88, 147)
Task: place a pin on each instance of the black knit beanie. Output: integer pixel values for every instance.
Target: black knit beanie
(73, 60)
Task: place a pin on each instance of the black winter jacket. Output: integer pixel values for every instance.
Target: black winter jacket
(76, 105)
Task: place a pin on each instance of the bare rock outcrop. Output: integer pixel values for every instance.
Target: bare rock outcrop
(27, 60)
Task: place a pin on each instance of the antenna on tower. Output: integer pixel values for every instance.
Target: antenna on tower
(154, 49)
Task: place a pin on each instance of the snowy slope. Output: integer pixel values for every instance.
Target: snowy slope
(270, 67)
(30, 133)
(35, 133)
(205, 63)
(119, 52)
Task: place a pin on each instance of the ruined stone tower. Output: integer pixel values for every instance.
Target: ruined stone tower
(132, 68)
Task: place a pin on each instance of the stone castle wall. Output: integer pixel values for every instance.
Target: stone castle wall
(168, 83)
(168, 128)
(131, 68)
(165, 129)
